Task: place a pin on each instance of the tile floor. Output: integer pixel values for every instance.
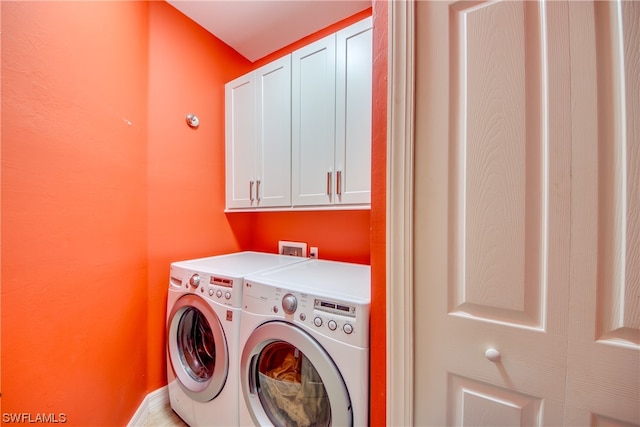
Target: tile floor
(164, 417)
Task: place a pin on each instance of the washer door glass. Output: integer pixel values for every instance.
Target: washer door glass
(288, 379)
(290, 389)
(197, 348)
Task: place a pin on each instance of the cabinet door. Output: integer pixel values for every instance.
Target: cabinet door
(313, 123)
(353, 113)
(240, 152)
(273, 144)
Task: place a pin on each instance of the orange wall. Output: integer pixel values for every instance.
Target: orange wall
(338, 235)
(378, 215)
(188, 68)
(74, 237)
(0, 216)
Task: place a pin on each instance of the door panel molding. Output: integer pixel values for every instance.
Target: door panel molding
(499, 167)
(493, 405)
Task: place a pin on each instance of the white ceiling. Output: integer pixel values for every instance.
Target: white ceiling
(256, 28)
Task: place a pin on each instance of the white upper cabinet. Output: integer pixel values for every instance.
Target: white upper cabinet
(331, 142)
(273, 97)
(298, 130)
(240, 144)
(314, 122)
(354, 59)
(258, 137)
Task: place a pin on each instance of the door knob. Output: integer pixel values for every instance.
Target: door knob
(493, 355)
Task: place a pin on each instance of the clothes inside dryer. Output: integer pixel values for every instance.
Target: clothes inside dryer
(196, 345)
(289, 387)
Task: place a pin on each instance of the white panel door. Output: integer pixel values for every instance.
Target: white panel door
(603, 381)
(492, 213)
(240, 150)
(313, 122)
(526, 214)
(353, 113)
(273, 123)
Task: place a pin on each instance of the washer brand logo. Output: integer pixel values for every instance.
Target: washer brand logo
(230, 315)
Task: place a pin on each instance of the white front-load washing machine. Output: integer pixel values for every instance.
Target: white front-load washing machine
(305, 346)
(203, 327)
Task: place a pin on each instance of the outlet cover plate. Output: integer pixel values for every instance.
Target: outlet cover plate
(292, 248)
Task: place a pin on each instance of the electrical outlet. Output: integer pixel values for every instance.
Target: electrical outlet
(313, 252)
(292, 248)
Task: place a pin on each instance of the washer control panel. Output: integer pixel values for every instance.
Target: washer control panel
(341, 320)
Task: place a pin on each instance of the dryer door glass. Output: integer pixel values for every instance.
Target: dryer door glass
(196, 345)
(289, 387)
(198, 350)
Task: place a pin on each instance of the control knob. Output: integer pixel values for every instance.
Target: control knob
(289, 303)
(194, 281)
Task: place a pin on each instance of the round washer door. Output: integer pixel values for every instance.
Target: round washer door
(197, 348)
(287, 378)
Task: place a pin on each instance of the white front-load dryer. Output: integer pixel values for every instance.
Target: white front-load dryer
(305, 346)
(203, 327)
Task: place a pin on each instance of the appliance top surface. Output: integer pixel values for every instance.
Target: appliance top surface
(238, 264)
(322, 278)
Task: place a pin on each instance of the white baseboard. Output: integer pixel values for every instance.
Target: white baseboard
(152, 402)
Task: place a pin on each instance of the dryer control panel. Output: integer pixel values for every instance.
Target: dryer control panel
(338, 319)
(335, 307)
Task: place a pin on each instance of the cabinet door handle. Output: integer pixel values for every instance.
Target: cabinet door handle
(251, 190)
(329, 183)
(339, 183)
(258, 190)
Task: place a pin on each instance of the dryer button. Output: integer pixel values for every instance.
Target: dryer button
(347, 328)
(211, 292)
(227, 295)
(332, 325)
(219, 293)
(317, 321)
(303, 317)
